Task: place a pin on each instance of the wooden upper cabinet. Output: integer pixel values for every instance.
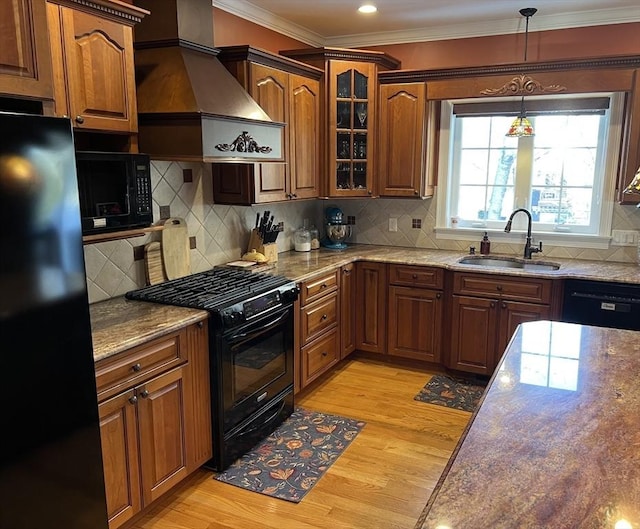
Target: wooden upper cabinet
(304, 136)
(25, 61)
(289, 92)
(93, 68)
(402, 141)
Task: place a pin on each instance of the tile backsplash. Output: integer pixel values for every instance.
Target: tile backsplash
(222, 232)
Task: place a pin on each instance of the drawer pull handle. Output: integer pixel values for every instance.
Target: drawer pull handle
(136, 367)
(79, 119)
(324, 316)
(504, 305)
(492, 304)
(438, 295)
(415, 276)
(499, 287)
(324, 353)
(144, 393)
(324, 285)
(133, 400)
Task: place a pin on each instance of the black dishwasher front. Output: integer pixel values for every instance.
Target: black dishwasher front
(601, 303)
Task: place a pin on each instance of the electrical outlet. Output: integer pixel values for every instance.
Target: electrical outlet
(624, 238)
(393, 224)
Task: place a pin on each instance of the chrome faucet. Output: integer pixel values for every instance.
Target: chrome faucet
(528, 249)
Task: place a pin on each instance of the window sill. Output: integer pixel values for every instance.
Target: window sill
(518, 237)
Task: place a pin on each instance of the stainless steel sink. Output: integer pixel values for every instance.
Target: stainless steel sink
(508, 262)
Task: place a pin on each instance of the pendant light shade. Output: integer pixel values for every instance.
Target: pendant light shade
(521, 126)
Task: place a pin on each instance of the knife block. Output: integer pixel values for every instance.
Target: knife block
(269, 250)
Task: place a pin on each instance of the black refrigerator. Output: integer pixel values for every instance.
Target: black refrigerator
(51, 462)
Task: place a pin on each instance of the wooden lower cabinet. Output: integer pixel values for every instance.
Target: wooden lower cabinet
(482, 324)
(319, 356)
(159, 430)
(348, 310)
(415, 321)
(371, 303)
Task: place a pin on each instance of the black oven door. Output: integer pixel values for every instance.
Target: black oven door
(257, 364)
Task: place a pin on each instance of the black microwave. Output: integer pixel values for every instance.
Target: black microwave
(115, 191)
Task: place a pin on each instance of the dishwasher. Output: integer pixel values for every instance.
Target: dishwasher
(603, 304)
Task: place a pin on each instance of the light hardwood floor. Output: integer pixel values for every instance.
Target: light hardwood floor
(383, 479)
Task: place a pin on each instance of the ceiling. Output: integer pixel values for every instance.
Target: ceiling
(337, 22)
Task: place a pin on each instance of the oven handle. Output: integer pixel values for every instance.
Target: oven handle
(259, 329)
(266, 421)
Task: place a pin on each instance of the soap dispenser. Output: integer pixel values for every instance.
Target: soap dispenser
(485, 244)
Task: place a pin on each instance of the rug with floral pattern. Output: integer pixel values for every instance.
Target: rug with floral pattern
(289, 462)
(452, 392)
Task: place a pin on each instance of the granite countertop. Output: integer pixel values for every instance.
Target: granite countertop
(555, 441)
(118, 324)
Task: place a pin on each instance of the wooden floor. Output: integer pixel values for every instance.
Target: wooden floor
(382, 480)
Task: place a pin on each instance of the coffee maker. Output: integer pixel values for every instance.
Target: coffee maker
(336, 229)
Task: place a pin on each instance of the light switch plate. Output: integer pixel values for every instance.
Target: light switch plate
(624, 238)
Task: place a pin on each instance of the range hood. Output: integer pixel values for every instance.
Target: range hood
(189, 106)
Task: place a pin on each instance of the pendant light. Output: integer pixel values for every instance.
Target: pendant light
(521, 126)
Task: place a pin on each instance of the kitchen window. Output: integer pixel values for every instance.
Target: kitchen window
(564, 174)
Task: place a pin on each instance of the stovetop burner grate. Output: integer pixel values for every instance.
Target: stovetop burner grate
(210, 290)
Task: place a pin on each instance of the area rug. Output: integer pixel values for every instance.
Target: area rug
(452, 392)
(289, 462)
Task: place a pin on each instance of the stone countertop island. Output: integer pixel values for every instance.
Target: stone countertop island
(555, 442)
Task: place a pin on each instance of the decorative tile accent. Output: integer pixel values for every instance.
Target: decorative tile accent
(416, 223)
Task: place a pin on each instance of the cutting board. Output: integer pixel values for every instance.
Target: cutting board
(175, 248)
(154, 269)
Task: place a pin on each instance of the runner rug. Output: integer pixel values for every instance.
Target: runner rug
(289, 462)
(452, 392)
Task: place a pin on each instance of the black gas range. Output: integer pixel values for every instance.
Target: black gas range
(250, 350)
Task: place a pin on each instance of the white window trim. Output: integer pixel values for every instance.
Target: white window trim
(443, 227)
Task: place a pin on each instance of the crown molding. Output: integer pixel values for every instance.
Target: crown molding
(262, 17)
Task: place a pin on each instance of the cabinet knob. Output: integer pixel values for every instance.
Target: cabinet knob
(293, 195)
(324, 353)
(415, 192)
(80, 120)
(369, 192)
(438, 295)
(324, 285)
(324, 317)
(492, 304)
(200, 324)
(346, 271)
(136, 367)
(504, 305)
(499, 288)
(133, 400)
(144, 393)
(415, 276)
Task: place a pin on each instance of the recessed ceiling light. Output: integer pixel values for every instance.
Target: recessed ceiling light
(367, 8)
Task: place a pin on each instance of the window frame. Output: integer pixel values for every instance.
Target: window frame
(607, 193)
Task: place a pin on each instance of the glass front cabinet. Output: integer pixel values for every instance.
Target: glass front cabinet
(351, 117)
(350, 113)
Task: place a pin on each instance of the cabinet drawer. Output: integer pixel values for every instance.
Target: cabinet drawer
(416, 276)
(517, 289)
(319, 356)
(139, 364)
(319, 316)
(318, 287)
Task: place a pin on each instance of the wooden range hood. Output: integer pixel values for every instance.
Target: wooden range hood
(189, 106)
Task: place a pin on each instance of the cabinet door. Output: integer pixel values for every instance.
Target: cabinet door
(348, 309)
(161, 422)
(371, 318)
(98, 66)
(512, 314)
(415, 320)
(473, 334)
(25, 63)
(351, 128)
(270, 88)
(402, 140)
(304, 137)
(119, 436)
